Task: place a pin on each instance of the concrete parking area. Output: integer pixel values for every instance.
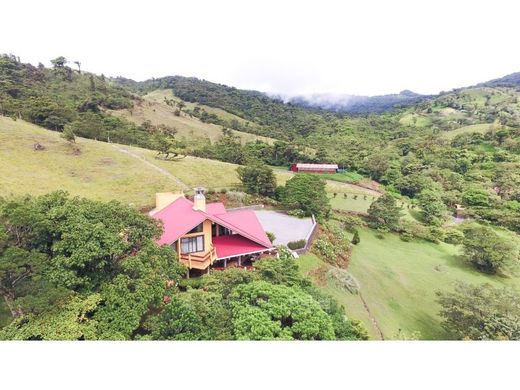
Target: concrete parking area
(285, 227)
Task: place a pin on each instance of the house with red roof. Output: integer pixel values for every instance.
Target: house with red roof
(204, 233)
(314, 168)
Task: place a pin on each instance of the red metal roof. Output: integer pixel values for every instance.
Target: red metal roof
(246, 223)
(215, 208)
(235, 245)
(179, 217)
(316, 166)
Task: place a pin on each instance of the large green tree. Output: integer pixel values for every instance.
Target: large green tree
(263, 311)
(481, 312)
(384, 213)
(306, 192)
(257, 179)
(487, 251)
(432, 207)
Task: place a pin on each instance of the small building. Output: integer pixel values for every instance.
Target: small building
(459, 211)
(314, 168)
(203, 234)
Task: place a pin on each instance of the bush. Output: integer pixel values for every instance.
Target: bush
(356, 240)
(194, 283)
(296, 244)
(453, 236)
(297, 213)
(343, 280)
(271, 236)
(351, 222)
(406, 236)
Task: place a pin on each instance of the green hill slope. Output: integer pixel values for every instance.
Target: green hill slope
(153, 108)
(100, 171)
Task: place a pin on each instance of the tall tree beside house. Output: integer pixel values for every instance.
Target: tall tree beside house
(384, 213)
(258, 179)
(306, 192)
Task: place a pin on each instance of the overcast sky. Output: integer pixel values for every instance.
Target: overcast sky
(355, 47)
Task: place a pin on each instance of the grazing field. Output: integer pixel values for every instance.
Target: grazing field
(154, 109)
(344, 177)
(481, 128)
(398, 283)
(414, 119)
(351, 202)
(100, 171)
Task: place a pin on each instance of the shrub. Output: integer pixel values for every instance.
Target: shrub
(271, 236)
(406, 236)
(453, 236)
(297, 213)
(343, 280)
(296, 244)
(236, 197)
(356, 239)
(351, 222)
(194, 283)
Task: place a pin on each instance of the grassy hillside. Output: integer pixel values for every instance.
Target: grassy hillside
(154, 109)
(100, 171)
(398, 283)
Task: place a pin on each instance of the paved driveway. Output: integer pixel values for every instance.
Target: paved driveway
(285, 227)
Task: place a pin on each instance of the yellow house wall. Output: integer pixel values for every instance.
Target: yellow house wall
(206, 231)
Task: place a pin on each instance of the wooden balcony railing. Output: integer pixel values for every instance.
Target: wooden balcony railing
(203, 261)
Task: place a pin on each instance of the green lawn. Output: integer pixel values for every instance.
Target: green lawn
(398, 282)
(348, 203)
(479, 128)
(343, 177)
(417, 120)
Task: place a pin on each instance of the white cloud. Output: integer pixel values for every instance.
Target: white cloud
(356, 47)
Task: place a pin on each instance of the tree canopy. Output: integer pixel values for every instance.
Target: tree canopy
(481, 312)
(306, 192)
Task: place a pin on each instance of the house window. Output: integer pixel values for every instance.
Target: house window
(224, 231)
(192, 244)
(196, 229)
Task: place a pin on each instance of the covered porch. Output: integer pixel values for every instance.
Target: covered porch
(231, 250)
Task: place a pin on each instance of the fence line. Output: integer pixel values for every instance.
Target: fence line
(309, 239)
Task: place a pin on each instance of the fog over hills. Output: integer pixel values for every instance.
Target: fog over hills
(353, 103)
